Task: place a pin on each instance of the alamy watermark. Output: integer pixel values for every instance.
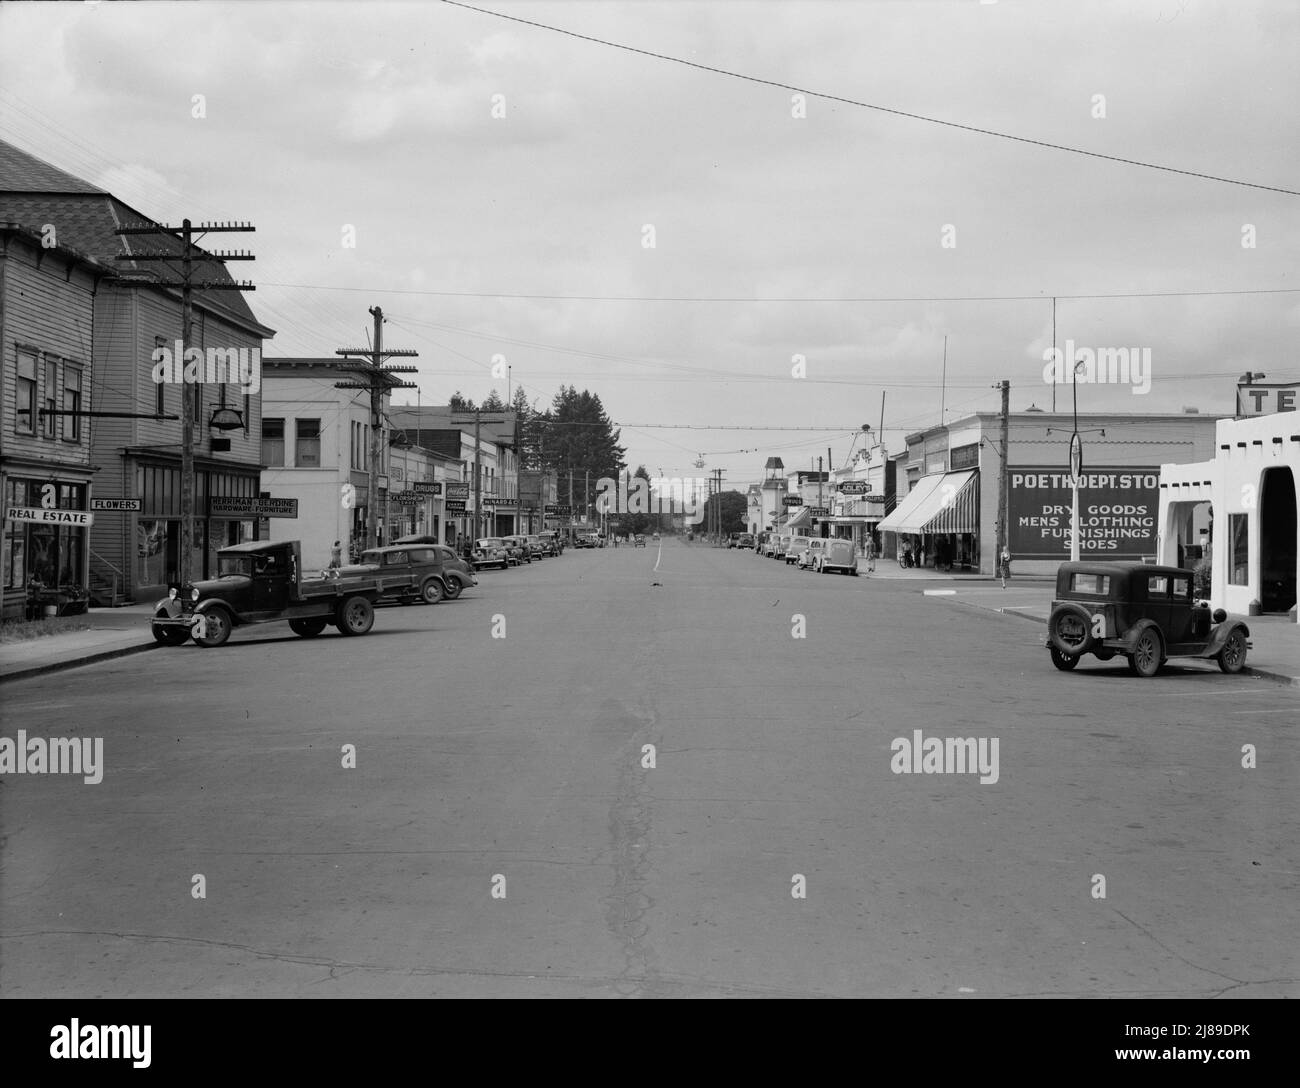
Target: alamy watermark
(946, 755)
(1102, 366)
(58, 755)
(660, 495)
(208, 366)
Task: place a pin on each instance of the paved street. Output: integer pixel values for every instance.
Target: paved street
(522, 757)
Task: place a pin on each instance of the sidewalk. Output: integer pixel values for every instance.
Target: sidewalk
(1275, 650)
(113, 633)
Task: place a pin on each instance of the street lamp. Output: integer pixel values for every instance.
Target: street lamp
(1076, 465)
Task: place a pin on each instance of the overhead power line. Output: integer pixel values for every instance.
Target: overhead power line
(1044, 296)
(870, 106)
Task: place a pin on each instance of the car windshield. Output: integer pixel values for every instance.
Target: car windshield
(370, 559)
(231, 565)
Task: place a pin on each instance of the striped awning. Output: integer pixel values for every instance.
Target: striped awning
(946, 502)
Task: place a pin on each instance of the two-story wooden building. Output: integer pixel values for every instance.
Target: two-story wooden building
(136, 456)
(47, 308)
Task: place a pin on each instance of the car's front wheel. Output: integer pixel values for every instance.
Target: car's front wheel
(212, 628)
(453, 588)
(1147, 656)
(1232, 658)
(1064, 662)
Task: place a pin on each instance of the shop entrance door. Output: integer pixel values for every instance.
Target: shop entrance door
(1277, 540)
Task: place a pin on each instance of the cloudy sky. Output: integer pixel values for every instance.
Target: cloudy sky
(380, 116)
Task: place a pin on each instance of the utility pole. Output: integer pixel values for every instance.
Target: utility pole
(478, 476)
(187, 285)
(1004, 472)
(377, 379)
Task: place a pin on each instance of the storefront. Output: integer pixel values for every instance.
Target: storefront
(45, 551)
(158, 524)
(938, 521)
(1254, 532)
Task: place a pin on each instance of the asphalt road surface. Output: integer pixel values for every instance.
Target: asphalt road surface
(501, 834)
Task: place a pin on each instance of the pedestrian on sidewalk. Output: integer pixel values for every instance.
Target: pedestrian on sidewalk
(1004, 565)
(336, 555)
(869, 552)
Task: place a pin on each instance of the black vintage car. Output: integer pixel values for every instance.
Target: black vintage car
(1142, 611)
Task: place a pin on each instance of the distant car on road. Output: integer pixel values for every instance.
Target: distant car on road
(541, 546)
(793, 548)
(655, 538)
(1144, 612)
(838, 555)
(744, 540)
(491, 551)
(430, 578)
(519, 549)
(639, 540)
(809, 556)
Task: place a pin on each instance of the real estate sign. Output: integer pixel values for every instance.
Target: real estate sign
(1118, 508)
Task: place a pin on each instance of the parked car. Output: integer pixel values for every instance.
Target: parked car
(430, 579)
(554, 540)
(540, 545)
(760, 542)
(1147, 613)
(458, 571)
(491, 551)
(771, 544)
(809, 555)
(655, 538)
(519, 548)
(745, 540)
(639, 540)
(838, 555)
(793, 548)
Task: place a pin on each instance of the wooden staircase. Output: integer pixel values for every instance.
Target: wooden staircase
(109, 587)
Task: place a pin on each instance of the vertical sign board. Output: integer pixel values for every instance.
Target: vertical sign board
(1118, 509)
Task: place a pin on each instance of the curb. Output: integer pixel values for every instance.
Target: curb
(1285, 679)
(77, 662)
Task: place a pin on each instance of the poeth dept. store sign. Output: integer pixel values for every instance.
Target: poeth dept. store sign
(1118, 507)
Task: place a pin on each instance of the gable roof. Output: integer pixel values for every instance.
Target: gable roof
(85, 217)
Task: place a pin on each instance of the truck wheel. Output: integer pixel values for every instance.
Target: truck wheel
(1232, 658)
(356, 616)
(1147, 656)
(432, 591)
(453, 588)
(307, 628)
(170, 636)
(215, 627)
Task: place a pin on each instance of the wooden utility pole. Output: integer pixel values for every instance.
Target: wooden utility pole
(376, 379)
(187, 259)
(1004, 473)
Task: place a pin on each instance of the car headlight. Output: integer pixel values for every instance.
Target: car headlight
(194, 594)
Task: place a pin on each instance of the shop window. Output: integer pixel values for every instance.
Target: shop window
(72, 402)
(273, 443)
(306, 453)
(25, 403)
(1239, 549)
(50, 399)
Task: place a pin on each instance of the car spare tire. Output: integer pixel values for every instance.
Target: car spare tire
(1069, 629)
